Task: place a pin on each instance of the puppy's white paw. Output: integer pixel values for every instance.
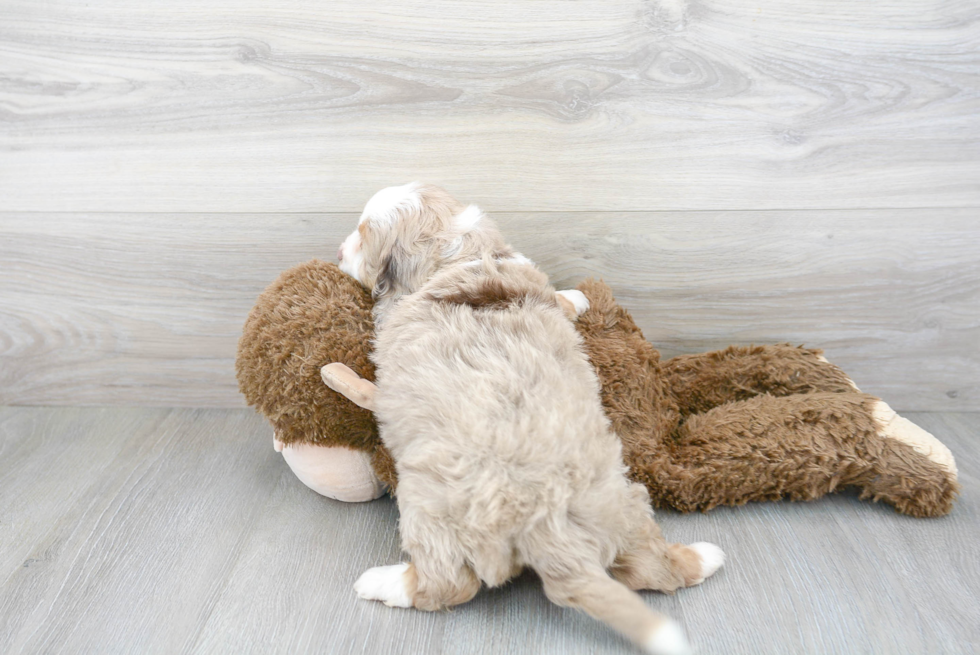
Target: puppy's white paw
(384, 583)
(577, 298)
(712, 557)
(667, 639)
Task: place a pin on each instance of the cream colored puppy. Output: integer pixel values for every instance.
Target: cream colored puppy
(491, 411)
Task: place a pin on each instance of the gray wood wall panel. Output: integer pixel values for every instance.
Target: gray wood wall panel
(159, 165)
(181, 531)
(146, 309)
(552, 105)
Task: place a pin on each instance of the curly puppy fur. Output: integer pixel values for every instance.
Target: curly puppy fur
(491, 411)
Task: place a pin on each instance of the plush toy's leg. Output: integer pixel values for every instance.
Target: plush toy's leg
(335, 472)
(801, 447)
(706, 380)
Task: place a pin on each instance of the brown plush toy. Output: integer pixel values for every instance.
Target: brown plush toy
(720, 428)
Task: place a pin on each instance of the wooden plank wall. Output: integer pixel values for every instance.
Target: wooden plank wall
(738, 172)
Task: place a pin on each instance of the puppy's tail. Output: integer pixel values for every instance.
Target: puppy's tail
(613, 603)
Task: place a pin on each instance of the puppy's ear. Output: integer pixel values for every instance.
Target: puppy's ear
(384, 284)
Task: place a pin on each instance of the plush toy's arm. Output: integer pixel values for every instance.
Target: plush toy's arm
(347, 383)
(707, 380)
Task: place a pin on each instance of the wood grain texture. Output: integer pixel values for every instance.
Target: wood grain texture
(146, 309)
(597, 105)
(119, 527)
(182, 531)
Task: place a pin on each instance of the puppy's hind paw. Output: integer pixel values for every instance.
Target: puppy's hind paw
(389, 584)
(712, 557)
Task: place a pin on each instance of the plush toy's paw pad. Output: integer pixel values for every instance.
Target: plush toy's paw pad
(385, 583)
(712, 558)
(667, 639)
(893, 426)
(578, 300)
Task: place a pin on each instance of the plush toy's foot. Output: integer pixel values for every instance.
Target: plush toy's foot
(801, 447)
(893, 426)
(914, 471)
(335, 472)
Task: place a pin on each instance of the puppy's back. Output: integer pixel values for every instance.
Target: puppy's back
(481, 359)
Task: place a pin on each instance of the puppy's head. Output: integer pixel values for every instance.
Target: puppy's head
(406, 233)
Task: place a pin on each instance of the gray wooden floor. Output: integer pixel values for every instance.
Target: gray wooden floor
(169, 531)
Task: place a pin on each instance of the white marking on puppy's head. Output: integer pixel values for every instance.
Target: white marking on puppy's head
(350, 256)
(463, 223)
(386, 205)
(467, 219)
(518, 258)
(382, 210)
(401, 238)
(408, 233)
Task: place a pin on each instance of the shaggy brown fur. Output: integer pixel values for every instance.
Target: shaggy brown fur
(701, 382)
(312, 314)
(747, 424)
(722, 428)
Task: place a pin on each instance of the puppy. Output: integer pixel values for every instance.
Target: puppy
(491, 411)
